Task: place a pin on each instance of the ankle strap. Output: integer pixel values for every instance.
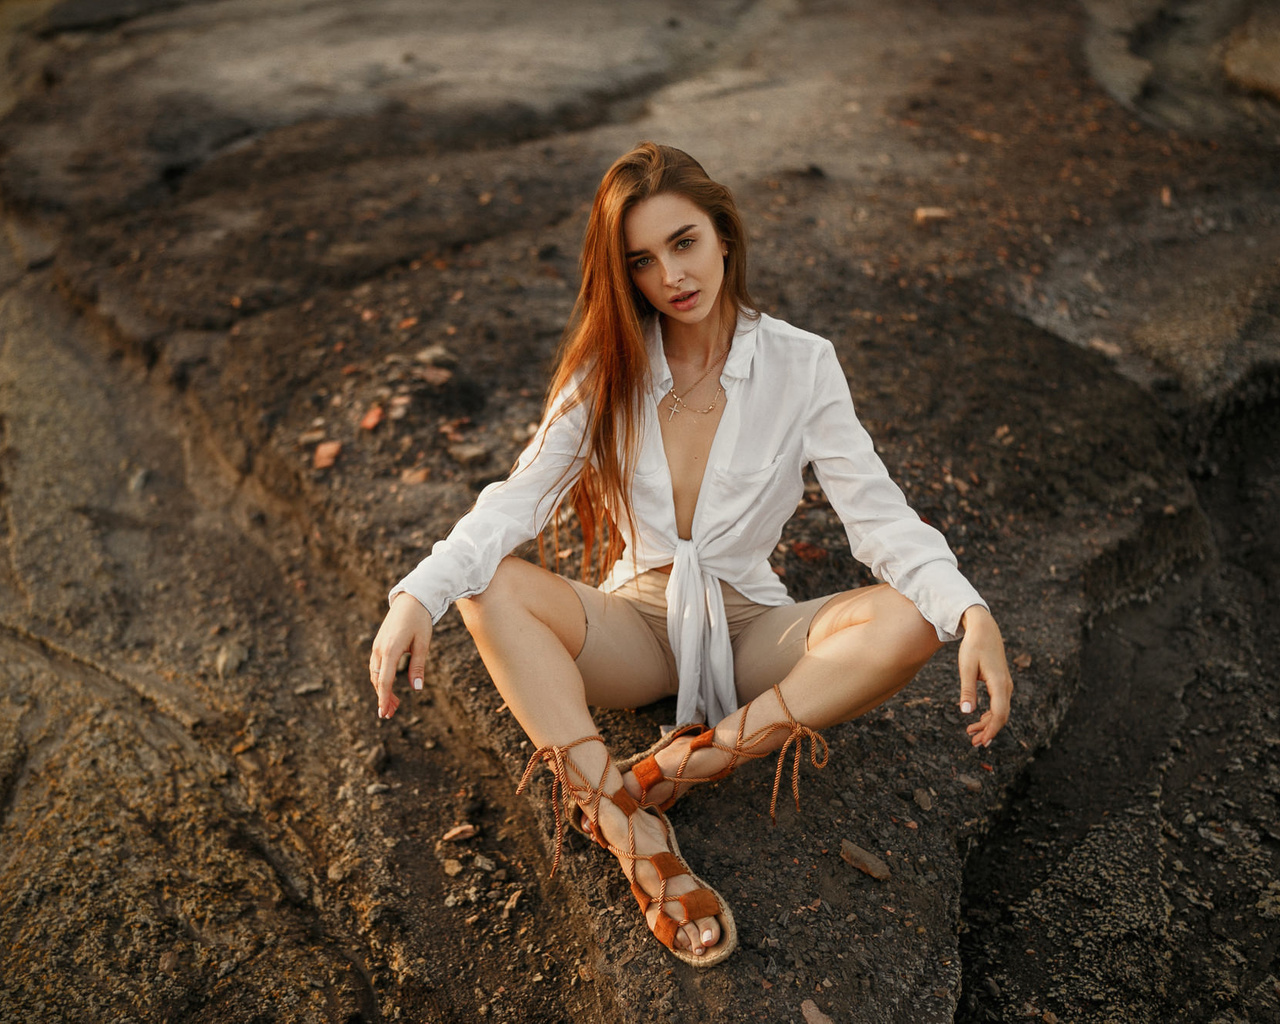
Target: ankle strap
(562, 784)
(798, 734)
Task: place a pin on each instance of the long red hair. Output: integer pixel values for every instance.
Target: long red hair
(603, 360)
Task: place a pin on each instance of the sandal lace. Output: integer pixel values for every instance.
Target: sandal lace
(799, 733)
(567, 792)
(743, 749)
(564, 790)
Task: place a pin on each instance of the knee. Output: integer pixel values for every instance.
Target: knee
(503, 589)
(912, 635)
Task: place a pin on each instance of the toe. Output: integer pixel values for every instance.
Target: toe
(708, 931)
(687, 936)
(689, 939)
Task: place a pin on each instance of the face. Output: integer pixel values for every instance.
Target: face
(675, 257)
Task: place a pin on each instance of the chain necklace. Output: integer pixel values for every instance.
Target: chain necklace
(677, 401)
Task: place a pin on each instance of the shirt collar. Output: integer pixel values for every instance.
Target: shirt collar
(738, 365)
(744, 347)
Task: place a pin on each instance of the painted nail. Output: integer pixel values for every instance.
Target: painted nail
(699, 951)
(966, 707)
(417, 684)
(708, 936)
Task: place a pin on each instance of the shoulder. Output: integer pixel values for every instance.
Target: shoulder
(780, 342)
(776, 331)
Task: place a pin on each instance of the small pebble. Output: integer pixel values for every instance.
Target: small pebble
(864, 860)
(375, 759)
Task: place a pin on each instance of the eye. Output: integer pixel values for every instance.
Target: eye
(641, 263)
(683, 244)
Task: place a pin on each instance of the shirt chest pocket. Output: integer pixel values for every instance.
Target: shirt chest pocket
(754, 501)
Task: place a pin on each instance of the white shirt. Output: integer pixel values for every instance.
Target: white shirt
(787, 406)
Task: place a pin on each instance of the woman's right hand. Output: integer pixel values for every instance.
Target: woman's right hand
(407, 627)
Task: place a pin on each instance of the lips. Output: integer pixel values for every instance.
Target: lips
(685, 301)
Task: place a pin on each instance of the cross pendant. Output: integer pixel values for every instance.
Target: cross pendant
(675, 405)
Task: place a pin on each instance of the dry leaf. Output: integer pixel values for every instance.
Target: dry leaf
(372, 418)
(1022, 660)
(926, 215)
(809, 552)
(460, 832)
(326, 454)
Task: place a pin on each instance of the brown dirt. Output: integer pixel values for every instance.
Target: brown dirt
(203, 819)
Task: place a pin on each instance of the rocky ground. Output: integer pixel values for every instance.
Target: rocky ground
(282, 284)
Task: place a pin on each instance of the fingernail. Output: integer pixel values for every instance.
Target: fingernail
(987, 744)
(417, 684)
(708, 936)
(966, 707)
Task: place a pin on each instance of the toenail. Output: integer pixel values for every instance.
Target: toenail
(699, 951)
(708, 936)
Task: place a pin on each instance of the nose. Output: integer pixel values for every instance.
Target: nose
(672, 274)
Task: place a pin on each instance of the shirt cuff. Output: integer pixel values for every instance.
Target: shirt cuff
(942, 594)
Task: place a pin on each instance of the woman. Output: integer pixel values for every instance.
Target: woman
(679, 424)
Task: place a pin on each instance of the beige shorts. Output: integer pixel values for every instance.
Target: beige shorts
(627, 661)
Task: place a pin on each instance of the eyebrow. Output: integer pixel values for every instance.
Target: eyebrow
(670, 238)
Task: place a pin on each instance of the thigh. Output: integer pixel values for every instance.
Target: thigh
(622, 661)
(771, 645)
(768, 647)
(891, 614)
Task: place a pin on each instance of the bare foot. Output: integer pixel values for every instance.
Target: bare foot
(646, 834)
(678, 761)
(702, 764)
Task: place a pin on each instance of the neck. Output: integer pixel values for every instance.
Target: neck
(697, 344)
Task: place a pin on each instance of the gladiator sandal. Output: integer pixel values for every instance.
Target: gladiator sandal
(644, 766)
(570, 788)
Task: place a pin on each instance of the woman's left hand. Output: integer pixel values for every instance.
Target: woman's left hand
(982, 657)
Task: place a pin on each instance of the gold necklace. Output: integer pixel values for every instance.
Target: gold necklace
(678, 402)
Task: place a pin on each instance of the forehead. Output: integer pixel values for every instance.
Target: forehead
(649, 223)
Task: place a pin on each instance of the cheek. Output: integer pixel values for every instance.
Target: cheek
(643, 283)
(717, 267)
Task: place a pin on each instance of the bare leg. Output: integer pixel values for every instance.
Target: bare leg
(529, 627)
(864, 646)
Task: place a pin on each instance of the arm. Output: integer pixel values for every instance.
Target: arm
(506, 514)
(888, 536)
(885, 533)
